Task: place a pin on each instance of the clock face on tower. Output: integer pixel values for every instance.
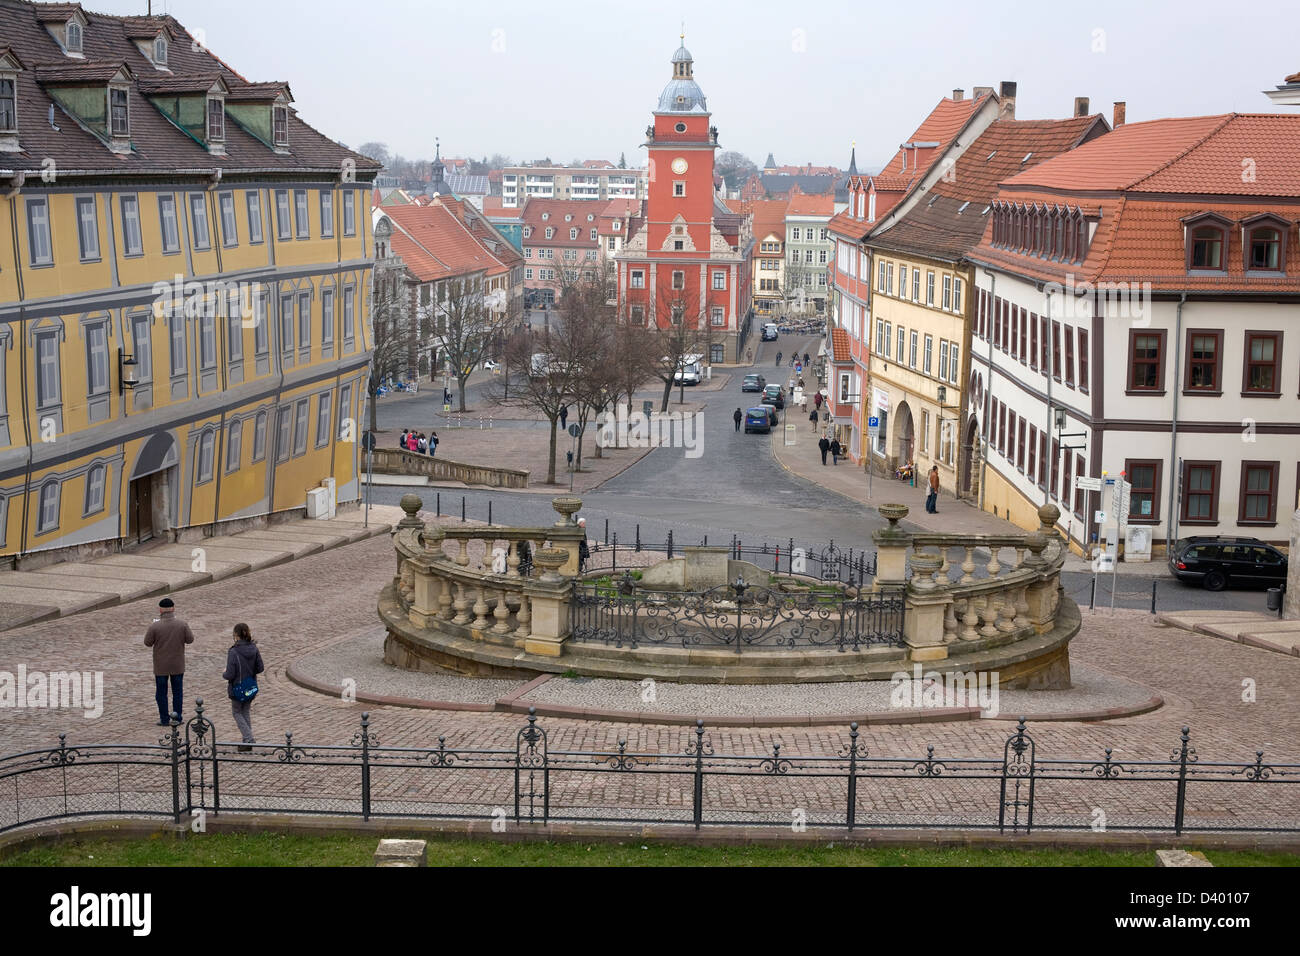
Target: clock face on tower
(679, 165)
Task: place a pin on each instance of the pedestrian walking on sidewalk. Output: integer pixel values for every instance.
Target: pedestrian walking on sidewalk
(433, 443)
(805, 358)
(412, 440)
(243, 664)
(835, 451)
(736, 417)
(825, 446)
(778, 359)
(401, 442)
(421, 444)
(168, 635)
(817, 401)
(812, 417)
(932, 498)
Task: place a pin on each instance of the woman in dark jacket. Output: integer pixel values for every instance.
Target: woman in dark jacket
(243, 660)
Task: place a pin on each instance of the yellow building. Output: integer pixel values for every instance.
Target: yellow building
(184, 284)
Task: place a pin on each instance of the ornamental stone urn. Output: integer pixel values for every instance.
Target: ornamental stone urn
(567, 506)
(411, 504)
(550, 560)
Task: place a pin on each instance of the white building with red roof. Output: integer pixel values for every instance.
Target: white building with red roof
(1137, 302)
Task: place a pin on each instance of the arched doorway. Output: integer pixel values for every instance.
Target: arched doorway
(152, 492)
(904, 435)
(970, 458)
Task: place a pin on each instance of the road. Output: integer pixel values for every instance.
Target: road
(736, 487)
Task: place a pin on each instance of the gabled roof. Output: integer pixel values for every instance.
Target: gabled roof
(841, 347)
(436, 244)
(805, 204)
(556, 209)
(952, 220)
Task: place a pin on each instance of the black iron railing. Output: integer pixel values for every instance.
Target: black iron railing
(738, 616)
(189, 773)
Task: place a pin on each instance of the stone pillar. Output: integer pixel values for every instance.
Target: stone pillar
(927, 604)
(891, 549)
(1291, 600)
(427, 593)
(1038, 594)
(549, 596)
(705, 567)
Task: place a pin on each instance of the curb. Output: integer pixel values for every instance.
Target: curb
(1246, 640)
(127, 828)
(513, 703)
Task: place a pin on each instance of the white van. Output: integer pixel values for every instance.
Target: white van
(690, 371)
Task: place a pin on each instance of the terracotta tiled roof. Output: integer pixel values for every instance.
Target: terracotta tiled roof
(492, 207)
(145, 28)
(157, 146)
(952, 220)
(435, 243)
(804, 204)
(1293, 78)
(769, 215)
(841, 349)
(258, 92)
(555, 210)
(945, 121)
(192, 83)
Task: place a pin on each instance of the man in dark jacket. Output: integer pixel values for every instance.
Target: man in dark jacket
(835, 451)
(564, 416)
(825, 446)
(168, 636)
(736, 417)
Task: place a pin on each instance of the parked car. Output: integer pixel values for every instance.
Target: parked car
(753, 383)
(760, 418)
(769, 332)
(1217, 562)
(774, 395)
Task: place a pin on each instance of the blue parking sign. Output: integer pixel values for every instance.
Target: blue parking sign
(873, 422)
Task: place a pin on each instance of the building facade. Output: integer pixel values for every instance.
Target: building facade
(1136, 304)
(809, 248)
(690, 260)
(561, 243)
(184, 277)
(592, 181)
(767, 218)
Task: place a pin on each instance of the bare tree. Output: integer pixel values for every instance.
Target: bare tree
(682, 330)
(394, 334)
(547, 383)
(467, 326)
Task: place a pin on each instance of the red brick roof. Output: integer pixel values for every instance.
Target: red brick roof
(555, 210)
(811, 204)
(841, 349)
(952, 219)
(769, 215)
(435, 243)
(1160, 174)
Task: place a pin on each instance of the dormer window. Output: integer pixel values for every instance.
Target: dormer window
(8, 105)
(1207, 247)
(280, 125)
(1264, 243)
(72, 37)
(118, 113)
(160, 51)
(216, 119)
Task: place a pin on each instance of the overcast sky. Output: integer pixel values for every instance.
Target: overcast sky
(800, 80)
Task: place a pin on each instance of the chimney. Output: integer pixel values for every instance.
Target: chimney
(958, 95)
(982, 91)
(1118, 119)
(1081, 106)
(1008, 98)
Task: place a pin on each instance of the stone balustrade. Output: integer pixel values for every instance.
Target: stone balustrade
(972, 592)
(989, 601)
(394, 461)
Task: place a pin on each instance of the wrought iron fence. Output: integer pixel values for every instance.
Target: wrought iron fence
(826, 563)
(189, 771)
(739, 616)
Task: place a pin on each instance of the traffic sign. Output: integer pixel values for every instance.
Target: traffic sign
(873, 423)
(573, 430)
(1088, 484)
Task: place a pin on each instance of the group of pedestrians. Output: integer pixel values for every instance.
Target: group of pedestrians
(418, 442)
(831, 445)
(168, 635)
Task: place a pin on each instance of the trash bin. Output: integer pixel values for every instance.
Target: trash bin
(1275, 600)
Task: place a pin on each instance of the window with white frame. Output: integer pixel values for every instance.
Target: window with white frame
(889, 338)
(573, 235)
(911, 351)
(47, 514)
(929, 288)
(327, 213)
(902, 282)
(947, 293)
(119, 114)
(95, 480)
(216, 120)
(719, 280)
(87, 228)
(916, 285)
(229, 229)
(927, 364)
(902, 344)
(280, 125)
(254, 199)
(40, 247)
(679, 279)
(953, 355)
(716, 316)
(956, 294)
(8, 104)
(925, 431)
(943, 359)
(880, 279)
(880, 336)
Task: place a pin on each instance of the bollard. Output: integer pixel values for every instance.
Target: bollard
(462, 509)
(489, 511)
(1092, 598)
(607, 531)
(1154, 582)
(439, 505)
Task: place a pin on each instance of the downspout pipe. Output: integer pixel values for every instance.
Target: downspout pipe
(1171, 534)
(990, 317)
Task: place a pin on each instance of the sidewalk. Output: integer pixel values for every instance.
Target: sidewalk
(72, 587)
(954, 517)
(1265, 631)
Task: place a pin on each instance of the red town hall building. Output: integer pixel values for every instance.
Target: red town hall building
(689, 258)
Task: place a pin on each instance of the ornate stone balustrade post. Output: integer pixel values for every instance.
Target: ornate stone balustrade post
(428, 585)
(892, 543)
(928, 602)
(567, 507)
(548, 595)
